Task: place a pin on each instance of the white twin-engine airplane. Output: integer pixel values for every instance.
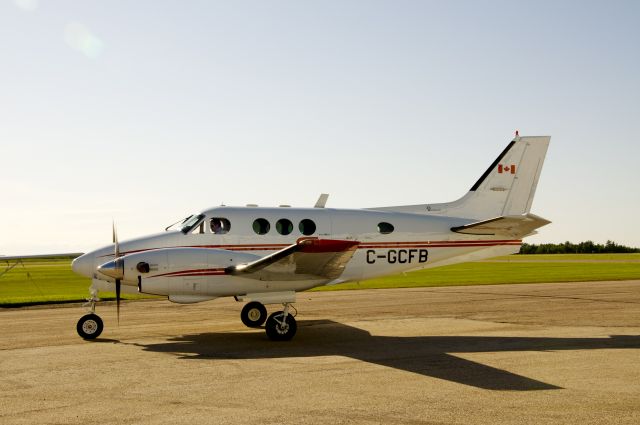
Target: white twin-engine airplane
(265, 255)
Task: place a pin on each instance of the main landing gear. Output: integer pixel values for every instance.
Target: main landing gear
(280, 326)
(90, 325)
(254, 314)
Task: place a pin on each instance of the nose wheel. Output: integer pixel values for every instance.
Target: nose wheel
(90, 325)
(253, 314)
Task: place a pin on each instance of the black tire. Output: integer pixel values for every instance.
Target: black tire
(253, 314)
(275, 332)
(90, 326)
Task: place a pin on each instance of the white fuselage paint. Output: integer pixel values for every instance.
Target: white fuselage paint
(418, 241)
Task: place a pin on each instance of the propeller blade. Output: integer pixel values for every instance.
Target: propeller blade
(118, 300)
(116, 248)
(115, 239)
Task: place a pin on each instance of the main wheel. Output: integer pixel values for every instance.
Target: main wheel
(253, 314)
(279, 330)
(90, 326)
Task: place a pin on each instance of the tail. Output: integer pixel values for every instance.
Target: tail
(507, 187)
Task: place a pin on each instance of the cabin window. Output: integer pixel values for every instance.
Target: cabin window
(219, 225)
(284, 226)
(385, 228)
(307, 227)
(261, 226)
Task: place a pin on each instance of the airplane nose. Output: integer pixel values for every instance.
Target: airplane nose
(114, 268)
(83, 265)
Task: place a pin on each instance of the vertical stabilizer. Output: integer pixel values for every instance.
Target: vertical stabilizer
(509, 184)
(506, 188)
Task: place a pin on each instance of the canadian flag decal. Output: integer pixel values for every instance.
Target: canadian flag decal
(507, 168)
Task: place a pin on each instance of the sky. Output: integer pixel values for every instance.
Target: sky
(145, 112)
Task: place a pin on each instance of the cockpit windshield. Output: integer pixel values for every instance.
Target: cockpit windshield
(190, 223)
(187, 224)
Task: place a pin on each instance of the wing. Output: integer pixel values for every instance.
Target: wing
(509, 226)
(70, 255)
(307, 259)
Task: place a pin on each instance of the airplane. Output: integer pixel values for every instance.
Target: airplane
(264, 256)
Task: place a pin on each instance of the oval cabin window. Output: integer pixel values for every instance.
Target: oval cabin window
(385, 228)
(261, 226)
(284, 226)
(307, 227)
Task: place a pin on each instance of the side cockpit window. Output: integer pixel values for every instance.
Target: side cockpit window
(199, 229)
(219, 225)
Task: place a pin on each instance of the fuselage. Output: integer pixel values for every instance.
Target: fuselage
(388, 243)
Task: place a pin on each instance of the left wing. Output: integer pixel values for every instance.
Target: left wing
(307, 259)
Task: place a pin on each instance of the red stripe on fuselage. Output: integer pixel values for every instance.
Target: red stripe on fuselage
(412, 244)
(193, 272)
(442, 245)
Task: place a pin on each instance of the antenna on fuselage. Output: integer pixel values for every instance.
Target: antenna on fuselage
(322, 200)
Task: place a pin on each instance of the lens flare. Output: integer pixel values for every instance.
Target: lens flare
(80, 38)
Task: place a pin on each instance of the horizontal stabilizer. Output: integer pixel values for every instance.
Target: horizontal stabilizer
(516, 226)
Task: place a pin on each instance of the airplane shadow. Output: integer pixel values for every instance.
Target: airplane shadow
(424, 355)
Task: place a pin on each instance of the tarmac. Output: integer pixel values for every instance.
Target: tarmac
(554, 353)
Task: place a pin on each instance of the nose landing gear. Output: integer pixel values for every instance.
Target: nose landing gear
(90, 325)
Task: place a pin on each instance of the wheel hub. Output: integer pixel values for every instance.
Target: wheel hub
(254, 314)
(90, 326)
(282, 328)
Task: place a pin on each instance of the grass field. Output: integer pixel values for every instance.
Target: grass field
(586, 258)
(38, 281)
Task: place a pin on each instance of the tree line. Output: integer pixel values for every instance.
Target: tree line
(587, 247)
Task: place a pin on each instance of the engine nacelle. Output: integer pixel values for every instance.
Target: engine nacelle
(179, 271)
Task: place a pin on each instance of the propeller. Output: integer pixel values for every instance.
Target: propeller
(116, 248)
